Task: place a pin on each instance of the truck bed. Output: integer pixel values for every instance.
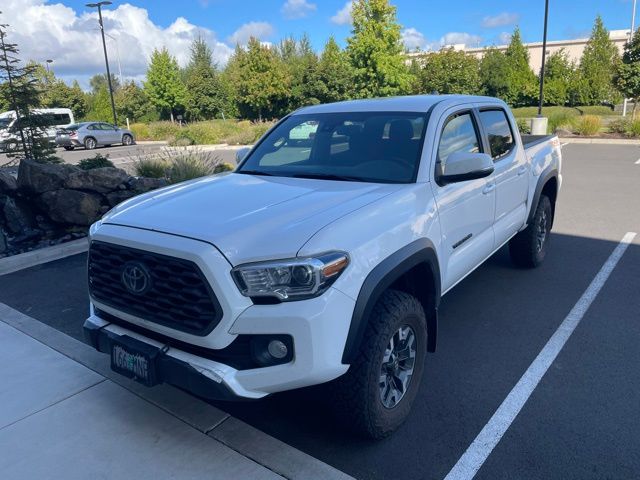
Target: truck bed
(531, 140)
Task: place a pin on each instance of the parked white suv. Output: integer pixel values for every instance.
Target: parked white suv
(324, 255)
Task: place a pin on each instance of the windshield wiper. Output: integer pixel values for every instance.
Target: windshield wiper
(327, 176)
(255, 172)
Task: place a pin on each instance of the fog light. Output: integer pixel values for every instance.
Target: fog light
(277, 349)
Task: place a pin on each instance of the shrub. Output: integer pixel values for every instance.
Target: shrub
(523, 126)
(163, 130)
(601, 110)
(189, 165)
(560, 119)
(149, 167)
(97, 161)
(140, 131)
(587, 125)
(634, 128)
(620, 126)
(223, 167)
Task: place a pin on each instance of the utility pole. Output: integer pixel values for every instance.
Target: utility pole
(544, 55)
(106, 58)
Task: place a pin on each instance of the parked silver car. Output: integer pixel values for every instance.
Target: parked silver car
(92, 134)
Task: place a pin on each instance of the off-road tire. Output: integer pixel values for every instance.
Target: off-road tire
(356, 396)
(90, 143)
(524, 248)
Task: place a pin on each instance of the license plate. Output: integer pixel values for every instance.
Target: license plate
(135, 359)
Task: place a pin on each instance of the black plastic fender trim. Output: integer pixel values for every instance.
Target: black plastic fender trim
(550, 172)
(380, 279)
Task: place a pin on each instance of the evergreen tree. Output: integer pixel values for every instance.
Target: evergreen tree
(375, 50)
(494, 73)
(333, 80)
(559, 74)
(597, 68)
(164, 86)
(24, 96)
(449, 71)
(263, 84)
(99, 82)
(627, 76)
(522, 85)
(132, 103)
(301, 63)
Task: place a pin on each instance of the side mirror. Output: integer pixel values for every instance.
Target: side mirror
(463, 166)
(241, 154)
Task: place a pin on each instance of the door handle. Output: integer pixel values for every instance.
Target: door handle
(488, 189)
(522, 170)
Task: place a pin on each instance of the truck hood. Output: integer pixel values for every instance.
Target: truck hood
(248, 218)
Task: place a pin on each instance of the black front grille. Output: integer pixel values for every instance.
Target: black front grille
(178, 296)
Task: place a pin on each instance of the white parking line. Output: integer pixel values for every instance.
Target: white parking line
(638, 162)
(563, 144)
(477, 453)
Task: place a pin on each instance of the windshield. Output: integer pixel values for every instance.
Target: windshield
(380, 147)
(5, 122)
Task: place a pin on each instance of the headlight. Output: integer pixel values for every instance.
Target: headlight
(288, 280)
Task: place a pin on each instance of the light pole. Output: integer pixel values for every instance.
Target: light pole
(633, 26)
(117, 57)
(544, 55)
(106, 58)
(48, 62)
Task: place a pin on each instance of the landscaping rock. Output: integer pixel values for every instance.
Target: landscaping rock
(144, 184)
(101, 180)
(18, 216)
(114, 198)
(8, 183)
(38, 178)
(70, 206)
(3, 241)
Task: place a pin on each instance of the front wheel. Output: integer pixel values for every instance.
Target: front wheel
(127, 140)
(529, 247)
(376, 393)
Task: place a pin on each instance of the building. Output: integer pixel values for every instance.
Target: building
(573, 48)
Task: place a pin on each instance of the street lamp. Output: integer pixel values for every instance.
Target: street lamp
(544, 54)
(106, 59)
(631, 32)
(48, 61)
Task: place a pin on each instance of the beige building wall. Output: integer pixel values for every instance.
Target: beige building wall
(573, 48)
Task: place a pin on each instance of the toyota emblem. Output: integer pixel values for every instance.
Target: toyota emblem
(136, 278)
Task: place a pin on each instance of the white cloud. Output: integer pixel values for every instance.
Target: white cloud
(259, 30)
(413, 39)
(454, 38)
(500, 20)
(504, 38)
(293, 9)
(43, 30)
(343, 16)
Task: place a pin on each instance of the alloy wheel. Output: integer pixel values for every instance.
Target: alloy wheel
(397, 366)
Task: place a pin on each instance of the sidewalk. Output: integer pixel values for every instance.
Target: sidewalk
(64, 418)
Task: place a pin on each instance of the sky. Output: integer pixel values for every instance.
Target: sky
(67, 31)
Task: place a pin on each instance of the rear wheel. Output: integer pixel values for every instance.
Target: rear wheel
(11, 146)
(529, 247)
(127, 139)
(376, 393)
(90, 143)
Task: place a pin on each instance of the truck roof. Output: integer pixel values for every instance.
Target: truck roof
(409, 103)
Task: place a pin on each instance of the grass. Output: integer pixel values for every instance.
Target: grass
(97, 161)
(587, 125)
(210, 132)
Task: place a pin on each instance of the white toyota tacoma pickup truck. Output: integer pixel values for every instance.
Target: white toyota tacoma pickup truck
(324, 255)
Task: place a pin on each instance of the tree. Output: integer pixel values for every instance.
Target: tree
(494, 73)
(627, 75)
(559, 73)
(597, 67)
(333, 79)
(133, 103)
(207, 96)
(164, 86)
(262, 82)
(375, 50)
(522, 84)
(99, 106)
(24, 96)
(449, 71)
(301, 63)
(99, 82)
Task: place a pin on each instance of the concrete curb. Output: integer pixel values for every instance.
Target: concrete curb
(248, 441)
(601, 141)
(42, 255)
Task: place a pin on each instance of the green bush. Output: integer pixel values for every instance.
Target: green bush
(600, 110)
(523, 126)
(587, 125)
(140, 131)
(223, 167)
(97, 161)
(634, 128)
(190, 164)
(620, 126)
(166, 131)
(149, 167)
(560, 119)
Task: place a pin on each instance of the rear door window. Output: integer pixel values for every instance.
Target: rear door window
(496, 125)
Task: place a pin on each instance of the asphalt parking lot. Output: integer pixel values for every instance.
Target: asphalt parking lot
(581, 421)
